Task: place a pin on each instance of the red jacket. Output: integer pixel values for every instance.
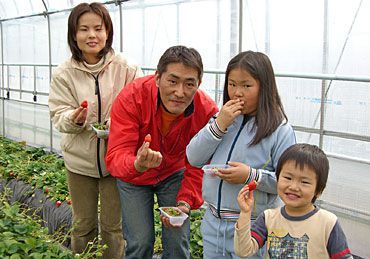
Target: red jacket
(135, 113)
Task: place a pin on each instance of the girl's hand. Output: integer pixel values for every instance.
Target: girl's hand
(228, 113)
(147, 158)
(236, 174)
(79, 115)
(245, 199)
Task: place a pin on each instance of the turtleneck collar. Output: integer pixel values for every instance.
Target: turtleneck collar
(95, 68)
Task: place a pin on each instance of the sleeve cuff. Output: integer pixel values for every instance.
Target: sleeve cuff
(183, 203)
(254, 174)
(215, 130)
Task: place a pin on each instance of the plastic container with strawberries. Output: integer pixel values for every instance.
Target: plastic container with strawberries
(212, 169)
(176, 216)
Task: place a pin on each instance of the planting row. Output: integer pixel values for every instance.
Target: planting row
(37, 179)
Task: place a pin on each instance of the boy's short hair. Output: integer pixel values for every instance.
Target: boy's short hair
(180, 54)
(312, 157)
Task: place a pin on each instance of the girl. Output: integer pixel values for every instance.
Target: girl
(94, 74)
(249, 134)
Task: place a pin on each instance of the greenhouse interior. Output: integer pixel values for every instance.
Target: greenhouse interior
(319, 50)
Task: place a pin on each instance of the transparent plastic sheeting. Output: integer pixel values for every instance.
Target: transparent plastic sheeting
(17, 8)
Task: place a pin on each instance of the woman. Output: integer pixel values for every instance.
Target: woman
(249, 134)
(94, 74)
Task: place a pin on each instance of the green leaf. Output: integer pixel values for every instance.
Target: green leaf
(13, 248)
(31, 242)
(21, 229)
(15, 256)
(36, 256)
(8, 234)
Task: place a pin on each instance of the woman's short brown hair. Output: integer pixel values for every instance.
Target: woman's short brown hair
(73, 18)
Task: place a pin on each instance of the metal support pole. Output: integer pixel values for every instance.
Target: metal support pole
(267, 27)
(20, 82)
(324, 71)
(240, 44)
(143, 36)
(2, 78)
(7, 83)
(218, 42)
(50, 68)
(34, 84)
(177, 23)
(234, 37)
(120, 26)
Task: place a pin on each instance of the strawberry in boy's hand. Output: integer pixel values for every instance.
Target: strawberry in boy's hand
(252, 185)
(148, 138)
(84, 104)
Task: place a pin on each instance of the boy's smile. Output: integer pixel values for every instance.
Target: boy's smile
(296, 187)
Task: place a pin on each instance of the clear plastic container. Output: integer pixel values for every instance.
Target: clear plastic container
(101, 133)
(174, 220)
(213, 168)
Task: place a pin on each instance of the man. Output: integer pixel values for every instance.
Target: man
(170, 107)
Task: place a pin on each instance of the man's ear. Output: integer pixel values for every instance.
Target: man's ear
(157, 78)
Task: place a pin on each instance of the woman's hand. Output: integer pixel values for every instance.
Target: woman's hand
(79, 115)
(236, 174)
(228, 113)
(245, 199)
(147, 158)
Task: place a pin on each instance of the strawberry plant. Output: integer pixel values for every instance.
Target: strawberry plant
(23, 237)
(46, 172)
(34, 166)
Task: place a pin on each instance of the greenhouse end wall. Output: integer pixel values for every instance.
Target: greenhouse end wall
(321, 64)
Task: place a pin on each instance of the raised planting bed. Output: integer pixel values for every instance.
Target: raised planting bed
(38, 181)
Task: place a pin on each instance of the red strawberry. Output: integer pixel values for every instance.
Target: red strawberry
(252, 185)
(58, 203)
(69, 202)
(84, 104)
(46, 190)
(11, 174)
(148, 138)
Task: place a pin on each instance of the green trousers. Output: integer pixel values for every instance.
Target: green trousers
(85, 192)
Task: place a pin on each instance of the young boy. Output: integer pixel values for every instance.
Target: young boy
(299, 229)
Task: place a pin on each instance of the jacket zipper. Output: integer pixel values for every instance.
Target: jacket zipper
(97, 92)
(245, 119)
(162, 140)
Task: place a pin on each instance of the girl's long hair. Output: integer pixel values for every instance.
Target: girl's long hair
(270, 112)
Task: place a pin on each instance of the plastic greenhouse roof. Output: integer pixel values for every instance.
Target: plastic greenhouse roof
(22, 8)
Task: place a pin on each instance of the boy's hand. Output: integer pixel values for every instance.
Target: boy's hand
(236, 174)
(245, 199)
(228, 113)
(147, 158)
